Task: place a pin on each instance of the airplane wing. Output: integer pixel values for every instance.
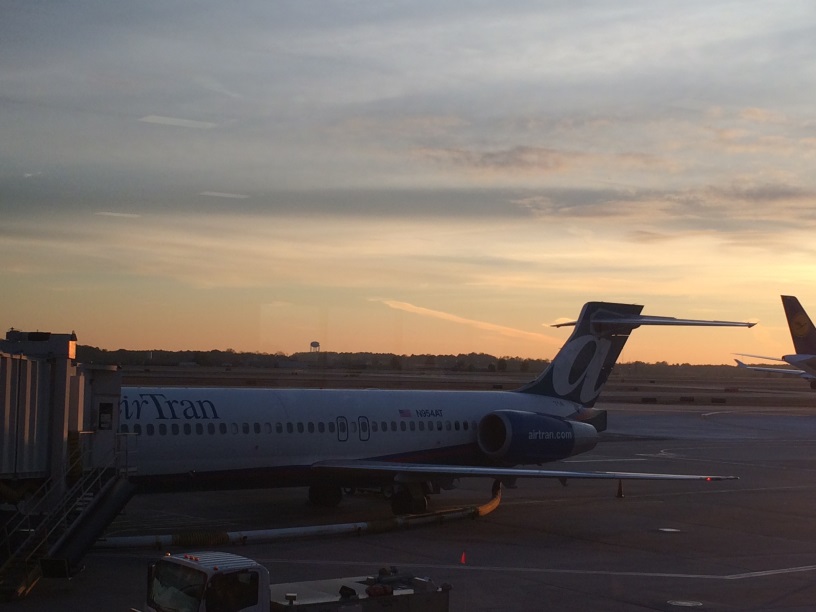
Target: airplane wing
(758, 357)
(459, 471)
(788, 371)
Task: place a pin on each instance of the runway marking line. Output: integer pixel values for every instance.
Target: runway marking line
(545, 570)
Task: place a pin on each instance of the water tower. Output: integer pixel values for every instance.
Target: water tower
(314, 347)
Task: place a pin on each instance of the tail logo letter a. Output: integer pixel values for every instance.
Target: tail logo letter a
(580, 363)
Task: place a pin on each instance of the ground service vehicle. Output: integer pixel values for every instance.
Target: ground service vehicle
(223, 582)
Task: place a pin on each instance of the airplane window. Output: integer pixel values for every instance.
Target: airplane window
(199, 428)
(342, 426)
(279, 427)
(290, 428)
(187, 429)
(353, 427)
(256, 427)
(393, 426)
(422, 426)
(174, 428)
(310, 427)
(331, 427)
(162, 429)
(384, 426)
(245, 427)
(439, 426)
(150, 429)
(321, 427)
(447, 425)
(234, 427)
(456, 425)
(413, 426)
(374, 426)
(464, 425)
(268, 428)
(222, 427)
(402, 425)
(123, 429)
(211, 428)
(364, 426)
(300, 427)
(137, 429)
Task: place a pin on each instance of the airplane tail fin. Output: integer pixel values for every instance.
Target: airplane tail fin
(582, 366)
(801, 327)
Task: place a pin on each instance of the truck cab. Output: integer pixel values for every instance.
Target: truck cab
(207, 581)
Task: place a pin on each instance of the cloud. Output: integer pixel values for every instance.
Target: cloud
(106, 213)
(502, 330)
(515, 159)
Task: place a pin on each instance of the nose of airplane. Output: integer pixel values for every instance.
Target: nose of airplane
(585, 437)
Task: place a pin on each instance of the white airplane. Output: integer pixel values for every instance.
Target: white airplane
(418, 442)
(803, 335)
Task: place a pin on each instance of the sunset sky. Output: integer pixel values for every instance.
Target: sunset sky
(407, 177)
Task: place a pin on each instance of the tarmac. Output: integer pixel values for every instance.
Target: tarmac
(747, 544)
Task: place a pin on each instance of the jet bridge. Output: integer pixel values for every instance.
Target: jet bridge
(63, 467)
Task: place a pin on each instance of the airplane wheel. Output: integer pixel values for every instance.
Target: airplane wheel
(327, 496)
(419, 505)
(401, 502)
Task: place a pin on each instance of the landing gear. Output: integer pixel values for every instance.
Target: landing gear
(327, 496)
(409, 500)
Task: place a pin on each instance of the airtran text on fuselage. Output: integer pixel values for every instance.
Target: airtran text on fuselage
(160, 407)
(549, 435)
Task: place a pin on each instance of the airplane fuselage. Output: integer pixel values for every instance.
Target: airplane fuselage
(270, 437)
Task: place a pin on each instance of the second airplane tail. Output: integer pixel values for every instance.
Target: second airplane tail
(802, 331)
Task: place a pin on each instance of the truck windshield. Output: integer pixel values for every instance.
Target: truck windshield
(176, 588)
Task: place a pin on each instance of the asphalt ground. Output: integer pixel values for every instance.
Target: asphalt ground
(748, 544)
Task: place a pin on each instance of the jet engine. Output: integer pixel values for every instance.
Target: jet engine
(518, 437)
